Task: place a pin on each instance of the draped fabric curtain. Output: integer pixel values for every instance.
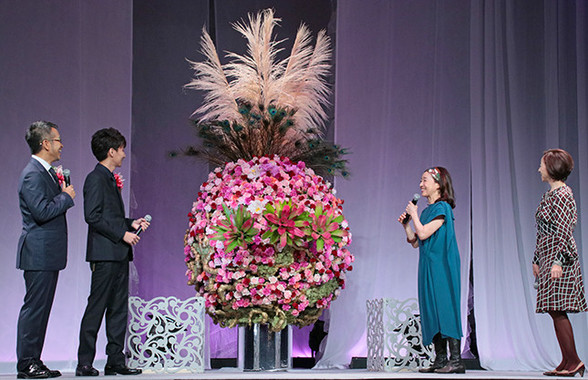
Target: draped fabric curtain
(407, 75)
(402, 105)
(528, 94)
(481, 87)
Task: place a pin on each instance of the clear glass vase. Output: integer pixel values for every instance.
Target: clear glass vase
(260, 349)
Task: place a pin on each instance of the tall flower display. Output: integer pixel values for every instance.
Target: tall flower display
(267, 239)
(267, 243)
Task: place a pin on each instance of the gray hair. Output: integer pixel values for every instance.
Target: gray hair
(36, 133)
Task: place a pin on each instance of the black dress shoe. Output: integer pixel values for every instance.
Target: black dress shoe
(52, 372)
(34, 371)
(86, 370)
(120, 370)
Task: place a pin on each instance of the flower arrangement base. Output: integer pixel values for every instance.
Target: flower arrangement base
(261, 349)
(394, 337)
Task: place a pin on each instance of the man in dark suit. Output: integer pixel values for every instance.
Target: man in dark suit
(109, 250)
(42, 247)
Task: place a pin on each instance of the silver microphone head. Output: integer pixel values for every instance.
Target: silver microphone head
(148, 218)
(66, 172)
(415, 198)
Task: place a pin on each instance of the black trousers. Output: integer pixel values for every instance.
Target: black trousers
(34, 315)
(109, 294)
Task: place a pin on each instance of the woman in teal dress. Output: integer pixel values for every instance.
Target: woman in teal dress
(439, 269)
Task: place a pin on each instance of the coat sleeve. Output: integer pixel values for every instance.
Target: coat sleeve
(42, 207)
(94, 209)
(564, 219)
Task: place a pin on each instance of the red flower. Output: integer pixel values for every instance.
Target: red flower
(119, 180)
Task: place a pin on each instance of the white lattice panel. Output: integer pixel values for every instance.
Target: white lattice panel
(166, 334)
(394, 336)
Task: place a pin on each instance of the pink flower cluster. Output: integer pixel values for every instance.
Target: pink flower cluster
(59, 173)
(294, 278)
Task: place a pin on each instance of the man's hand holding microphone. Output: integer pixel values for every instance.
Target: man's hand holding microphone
(140, 225)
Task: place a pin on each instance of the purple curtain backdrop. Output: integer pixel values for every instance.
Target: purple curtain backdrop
(419, 83)
(164, 35)
(402, 106)
(69, 62)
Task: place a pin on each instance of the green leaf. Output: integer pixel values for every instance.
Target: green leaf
(301, 223)
(239, 218)
(232, 246)
(320, 243)
(319, 209)
(227, 211)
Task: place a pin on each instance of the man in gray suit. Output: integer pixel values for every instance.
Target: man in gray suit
(110, 239)
(42, 247)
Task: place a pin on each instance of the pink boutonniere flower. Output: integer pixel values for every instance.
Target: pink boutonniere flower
(119, 180)
(59, 172)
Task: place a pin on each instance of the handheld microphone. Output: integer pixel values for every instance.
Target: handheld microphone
(66, 177)
(415, 199)
(147, 218)
(536, 284)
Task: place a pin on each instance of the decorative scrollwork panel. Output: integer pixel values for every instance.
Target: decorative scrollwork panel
(166, 334)
(375, 335)
(394, 337)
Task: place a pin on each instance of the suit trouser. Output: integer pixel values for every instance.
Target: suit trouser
(34, 316)
(109, 293)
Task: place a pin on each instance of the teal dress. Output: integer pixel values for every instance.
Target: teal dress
(439, 277)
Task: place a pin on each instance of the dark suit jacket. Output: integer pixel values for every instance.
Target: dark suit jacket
(43, 242)
(105, 214)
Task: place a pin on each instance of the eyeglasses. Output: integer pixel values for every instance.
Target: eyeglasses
(60, 140)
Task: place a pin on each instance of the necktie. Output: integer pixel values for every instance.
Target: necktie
(54, 175)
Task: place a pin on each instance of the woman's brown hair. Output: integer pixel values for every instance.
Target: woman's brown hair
(442, 177)
(558, 163)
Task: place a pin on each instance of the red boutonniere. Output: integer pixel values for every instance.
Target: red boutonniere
(119, 180)
(59, 172)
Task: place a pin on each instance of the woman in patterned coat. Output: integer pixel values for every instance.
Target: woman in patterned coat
(555, 264)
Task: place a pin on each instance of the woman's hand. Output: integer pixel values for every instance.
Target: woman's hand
(412, 210)
(401, 218)
(556, 271)
(535, 270)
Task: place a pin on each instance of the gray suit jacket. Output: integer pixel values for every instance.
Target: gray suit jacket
(105, 214)
(43, 242)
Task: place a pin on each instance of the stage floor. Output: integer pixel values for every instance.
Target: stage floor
(319, 374)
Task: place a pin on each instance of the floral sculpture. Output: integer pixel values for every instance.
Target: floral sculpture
(267, 237)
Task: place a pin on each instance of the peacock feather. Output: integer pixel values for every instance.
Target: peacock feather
(258, 105)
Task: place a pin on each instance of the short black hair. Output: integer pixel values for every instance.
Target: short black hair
(36, 133)
(105, 139)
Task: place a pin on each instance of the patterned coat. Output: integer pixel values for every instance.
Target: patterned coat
(556, 218)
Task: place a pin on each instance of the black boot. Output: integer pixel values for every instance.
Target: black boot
(455, 364)
(440, 354)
